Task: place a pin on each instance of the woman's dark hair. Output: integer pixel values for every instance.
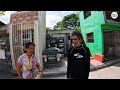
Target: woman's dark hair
(28, 44)
(79, 35)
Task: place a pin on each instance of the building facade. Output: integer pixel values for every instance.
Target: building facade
(101, 33)
(4, 40)
(62, 39)
(26, 27)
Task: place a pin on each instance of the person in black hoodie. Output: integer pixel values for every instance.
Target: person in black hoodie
(78, 58)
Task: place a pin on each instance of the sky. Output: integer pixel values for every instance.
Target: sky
(52, 17)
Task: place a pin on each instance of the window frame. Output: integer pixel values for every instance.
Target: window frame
(88, 14)
(91, 38)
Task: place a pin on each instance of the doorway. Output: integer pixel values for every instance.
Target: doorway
(111, 44)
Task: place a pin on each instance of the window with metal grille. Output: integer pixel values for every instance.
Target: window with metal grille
(86, 14)
(90, 37)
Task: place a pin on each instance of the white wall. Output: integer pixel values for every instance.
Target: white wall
(2, 54)
(11, 46)
(41, 35)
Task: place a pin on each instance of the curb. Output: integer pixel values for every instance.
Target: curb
(106, 64)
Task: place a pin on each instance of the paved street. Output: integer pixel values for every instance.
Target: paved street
(5, 75)
(5, 71)
(59, 72)
(112, 72)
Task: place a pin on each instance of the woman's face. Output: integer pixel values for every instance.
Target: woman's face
(30, 49)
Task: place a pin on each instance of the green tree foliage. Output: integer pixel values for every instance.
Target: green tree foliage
(69, 21)
(78, 29)
(2, 13)
(59, 25)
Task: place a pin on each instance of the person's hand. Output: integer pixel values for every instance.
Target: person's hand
(20, 78)
(40, 73)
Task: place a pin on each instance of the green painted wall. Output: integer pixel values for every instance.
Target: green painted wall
(93, 24)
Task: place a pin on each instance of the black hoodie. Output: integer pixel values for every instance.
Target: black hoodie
(78, 62)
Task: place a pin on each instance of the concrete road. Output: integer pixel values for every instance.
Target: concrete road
(112, 72)
(57, 72)
(54, 72)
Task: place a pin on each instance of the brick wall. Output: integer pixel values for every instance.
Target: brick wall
(22, 17)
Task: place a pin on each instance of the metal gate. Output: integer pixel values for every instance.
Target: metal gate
(21, 34)
(111, 44)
